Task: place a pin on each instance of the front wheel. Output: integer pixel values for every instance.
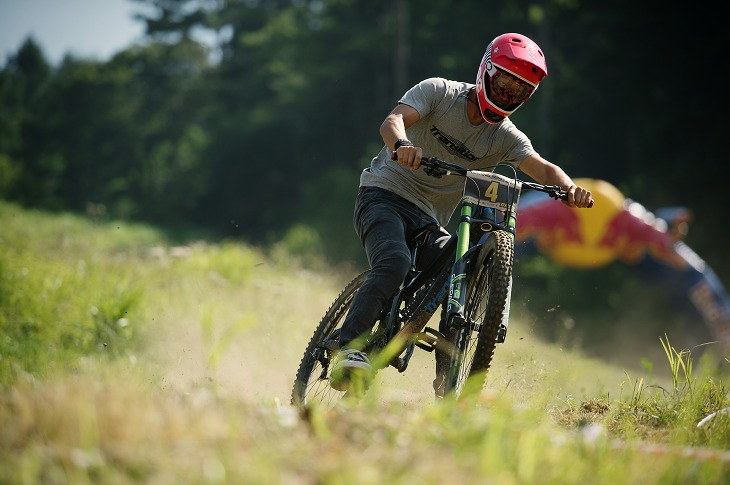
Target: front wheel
(312, 385)
(487, 306)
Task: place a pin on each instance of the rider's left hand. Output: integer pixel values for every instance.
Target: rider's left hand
(579, 197)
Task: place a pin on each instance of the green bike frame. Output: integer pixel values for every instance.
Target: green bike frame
(483, 189)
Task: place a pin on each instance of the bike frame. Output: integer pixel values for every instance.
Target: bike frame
(496, 194)
(487, 193)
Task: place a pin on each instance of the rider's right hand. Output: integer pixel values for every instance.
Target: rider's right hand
(409, 156)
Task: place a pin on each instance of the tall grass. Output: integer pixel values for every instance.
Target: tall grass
(68, 287)
(128, 360)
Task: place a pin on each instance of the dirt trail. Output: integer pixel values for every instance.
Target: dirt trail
(232, 338)
(253, 369)
(259, 367)
(251, 350)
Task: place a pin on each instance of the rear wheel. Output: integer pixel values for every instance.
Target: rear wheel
(487, 307)
(311, 385)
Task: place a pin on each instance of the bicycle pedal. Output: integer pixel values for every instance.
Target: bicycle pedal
(428, 339)
(458, 322)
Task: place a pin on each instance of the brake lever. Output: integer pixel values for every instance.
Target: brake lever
(433, 171)
(429, 168)
(559, 194)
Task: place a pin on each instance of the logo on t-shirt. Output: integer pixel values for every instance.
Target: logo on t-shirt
(453, 145)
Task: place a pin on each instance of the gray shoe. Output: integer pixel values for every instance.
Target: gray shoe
(347, 363)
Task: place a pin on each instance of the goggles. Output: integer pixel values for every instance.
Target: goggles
(507, 91)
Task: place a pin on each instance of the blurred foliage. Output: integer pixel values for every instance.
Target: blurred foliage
(73, 288)
(63, 296)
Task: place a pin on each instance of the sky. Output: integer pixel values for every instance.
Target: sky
(93, 29)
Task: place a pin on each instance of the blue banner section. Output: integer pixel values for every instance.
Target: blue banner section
(621, 230)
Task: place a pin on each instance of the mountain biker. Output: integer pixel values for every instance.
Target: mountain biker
(449, 120)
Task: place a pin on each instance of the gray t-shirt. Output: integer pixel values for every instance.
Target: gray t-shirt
(444, 131)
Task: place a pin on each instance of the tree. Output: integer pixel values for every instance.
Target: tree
(32, 165)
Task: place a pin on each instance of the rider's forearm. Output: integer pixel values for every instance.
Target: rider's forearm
(555, 175)
(396, 123)
(550, 174)
(546, 172)
(392, 129)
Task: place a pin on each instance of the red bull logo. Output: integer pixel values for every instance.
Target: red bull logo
(632, 237)
(551, 225)
(613, 229)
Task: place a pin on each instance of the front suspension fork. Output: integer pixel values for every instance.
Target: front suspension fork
(457, 284)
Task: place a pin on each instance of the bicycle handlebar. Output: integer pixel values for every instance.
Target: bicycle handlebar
(435, 167)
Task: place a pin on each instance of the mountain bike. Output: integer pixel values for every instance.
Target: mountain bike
(470, 280)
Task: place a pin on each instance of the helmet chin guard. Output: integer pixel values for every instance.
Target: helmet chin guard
(511, 70)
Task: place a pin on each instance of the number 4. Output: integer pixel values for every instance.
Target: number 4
(492, 191)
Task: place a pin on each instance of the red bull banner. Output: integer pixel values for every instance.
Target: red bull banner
(618, 229)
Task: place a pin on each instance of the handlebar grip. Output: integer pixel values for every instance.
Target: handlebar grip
(589, 205)
(564, 196)
(394, 157)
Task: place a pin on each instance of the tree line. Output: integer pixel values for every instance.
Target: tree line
(267, 127)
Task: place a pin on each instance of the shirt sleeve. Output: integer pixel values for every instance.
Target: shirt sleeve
(424, 96)
(517, 145)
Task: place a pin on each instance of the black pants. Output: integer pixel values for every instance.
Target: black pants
(385, 223)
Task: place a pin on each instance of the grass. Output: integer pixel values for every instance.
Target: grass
(125, 359)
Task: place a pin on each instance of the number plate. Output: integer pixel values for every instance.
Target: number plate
(489, 189)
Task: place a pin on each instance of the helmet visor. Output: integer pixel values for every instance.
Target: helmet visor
(508, 92)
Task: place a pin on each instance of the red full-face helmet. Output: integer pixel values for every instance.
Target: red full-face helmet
(511, 70)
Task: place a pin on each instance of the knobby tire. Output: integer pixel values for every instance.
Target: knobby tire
(489, 292)
(311, 385)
